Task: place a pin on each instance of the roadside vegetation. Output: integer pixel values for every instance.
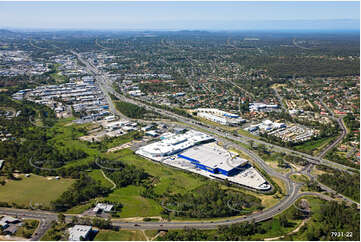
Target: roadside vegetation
(27, 228)
(343, 182)
(325, 218)
(130, 110)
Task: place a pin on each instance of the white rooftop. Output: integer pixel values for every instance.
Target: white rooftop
(79, 231)
(173, 144)
(214, 156)
(103, 206)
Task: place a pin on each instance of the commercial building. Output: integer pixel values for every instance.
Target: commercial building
(214, 159)
(198, 152)
(9, 225)
(103, 207)
(262, 107)
(80, 233)
(173, 144)
(219, 116)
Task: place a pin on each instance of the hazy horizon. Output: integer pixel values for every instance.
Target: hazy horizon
(217, 16)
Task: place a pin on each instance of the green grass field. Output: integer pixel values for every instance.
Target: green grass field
(315, 204)
(134, 205)
(168, 179)
(313, 146)
(80, 208)
(299, 178)
(122, 235)
(34, 189)
(98, 176)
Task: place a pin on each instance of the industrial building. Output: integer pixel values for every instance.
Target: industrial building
(83, 97)
(219, 116)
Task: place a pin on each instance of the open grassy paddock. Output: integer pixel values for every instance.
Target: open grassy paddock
(299, 178)
(34, 189)
(134, 205)
(314, 146)
(166, 178)
(98, 176)
(122, 235)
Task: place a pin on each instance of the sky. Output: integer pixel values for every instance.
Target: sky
(180, 15)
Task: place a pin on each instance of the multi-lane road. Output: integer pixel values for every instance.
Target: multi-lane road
(340, 138)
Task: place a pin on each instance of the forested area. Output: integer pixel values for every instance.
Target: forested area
(304, 66)
(334, 217)
(342, 182)
(82, 190)
(130, 110)
(334, 156)
(127, 175)
(37, 149)
(208, 201)
(331, 217)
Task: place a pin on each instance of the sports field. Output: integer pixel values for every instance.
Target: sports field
(34, 189)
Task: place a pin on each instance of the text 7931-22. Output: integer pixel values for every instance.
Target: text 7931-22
(341, 234)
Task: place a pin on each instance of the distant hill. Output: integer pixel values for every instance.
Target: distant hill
(7, 33)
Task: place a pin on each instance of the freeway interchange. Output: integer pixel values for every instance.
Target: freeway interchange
(292, 192)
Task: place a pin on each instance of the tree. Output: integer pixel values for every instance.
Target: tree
(61, 218)
(284, 221)
(74, 220)
(251, 143)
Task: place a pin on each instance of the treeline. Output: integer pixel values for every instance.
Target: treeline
(208, 201)
(334, 156)
(130, 110)
(292, 66)
(236, 232)
(175, 110)
(38, 148)
(296, 160)
(127, 175)
(351, 122)
(28, 111)
(81, 191)
(332, 217)
(342, 182)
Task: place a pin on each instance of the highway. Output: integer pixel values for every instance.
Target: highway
(224, 134)
(307, 172)
(286, 202)
(340, 138)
